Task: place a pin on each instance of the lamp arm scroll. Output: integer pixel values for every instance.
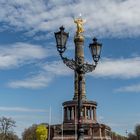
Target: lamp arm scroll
(83, 68)
(88, 67)
(69, 62)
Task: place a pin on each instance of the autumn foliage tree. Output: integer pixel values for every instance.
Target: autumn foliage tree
(41, 132)
(34, 131)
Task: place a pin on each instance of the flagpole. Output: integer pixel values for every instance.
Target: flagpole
(49, 122)
(62, 122)
(75, 127)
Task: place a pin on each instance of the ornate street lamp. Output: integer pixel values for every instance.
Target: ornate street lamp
(78, 64)
(95, 49)
(61, 39)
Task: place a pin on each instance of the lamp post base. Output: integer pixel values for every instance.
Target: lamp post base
(81, 134)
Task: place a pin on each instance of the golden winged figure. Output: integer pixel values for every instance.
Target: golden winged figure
(79, 22)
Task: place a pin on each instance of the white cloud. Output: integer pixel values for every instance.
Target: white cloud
(118, 68)
(104, 18)
(44, 78)
(17, 54)
(109, 68)
(20, 109)
(34, 82)
(129, 89)
(57, 68)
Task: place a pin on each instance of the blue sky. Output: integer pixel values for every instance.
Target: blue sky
(33, 78)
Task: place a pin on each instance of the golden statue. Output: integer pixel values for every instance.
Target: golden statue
(79, 22)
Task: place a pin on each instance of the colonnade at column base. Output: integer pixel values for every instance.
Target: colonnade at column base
(92, 129)
(85, 138)
(91, 132)
(88, 111)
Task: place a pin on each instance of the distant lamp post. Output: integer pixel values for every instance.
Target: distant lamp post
(126, 133)
(78, 64)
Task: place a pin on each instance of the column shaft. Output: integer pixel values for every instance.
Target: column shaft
(79, 53)
(72, 113)
(94, 111)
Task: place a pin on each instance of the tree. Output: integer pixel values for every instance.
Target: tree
(6, 129)
(137, 131)
(10, 136)
(41, 132)
(6, 125)
(132, 136)
(136, 134)
(30, 133)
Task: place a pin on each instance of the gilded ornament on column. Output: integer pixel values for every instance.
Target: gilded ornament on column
(79, 22)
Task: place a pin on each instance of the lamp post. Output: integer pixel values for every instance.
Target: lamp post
(78, 64)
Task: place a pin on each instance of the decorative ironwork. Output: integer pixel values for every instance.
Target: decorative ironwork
(78, 65)
(70, 63)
